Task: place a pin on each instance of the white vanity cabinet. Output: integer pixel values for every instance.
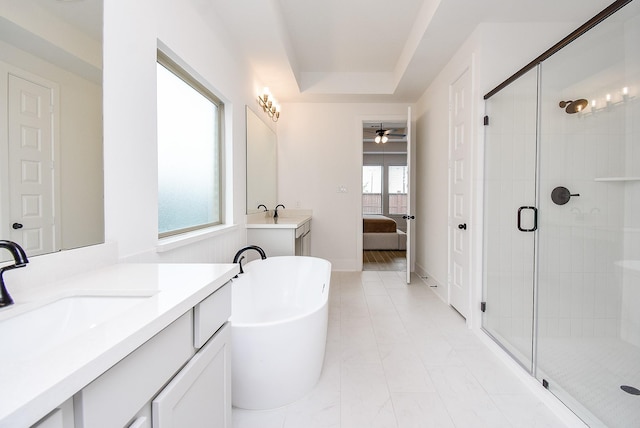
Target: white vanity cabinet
(286, 237)
(200, 394)
(60, 417)
(303, 240)
(179, 378)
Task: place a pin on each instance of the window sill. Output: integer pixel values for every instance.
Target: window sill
(173, 242)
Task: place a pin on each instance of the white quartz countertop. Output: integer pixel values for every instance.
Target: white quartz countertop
(288, 222)
(35, 383)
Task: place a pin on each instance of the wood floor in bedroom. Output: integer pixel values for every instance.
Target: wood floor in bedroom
(384, 260)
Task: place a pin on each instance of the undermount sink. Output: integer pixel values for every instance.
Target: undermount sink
(39, 330)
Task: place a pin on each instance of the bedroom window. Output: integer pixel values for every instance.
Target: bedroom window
(189, 152)
(398, 180)
(372, 189)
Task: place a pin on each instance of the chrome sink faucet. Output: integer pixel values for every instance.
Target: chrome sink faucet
(20, 260)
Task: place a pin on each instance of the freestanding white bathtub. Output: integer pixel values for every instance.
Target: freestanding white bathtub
(279, 330)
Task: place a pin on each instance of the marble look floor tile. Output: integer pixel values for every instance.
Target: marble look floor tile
(380, 305)
(389, 329)
(525, 411)
(404, 369)
(320, 409)
(367, 413)
(437, 351)
(490, 372)
(420, 410)
(374, 288)
(258, 418)
(464, 398)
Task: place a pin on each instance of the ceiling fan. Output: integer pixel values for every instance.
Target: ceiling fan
(382, 135)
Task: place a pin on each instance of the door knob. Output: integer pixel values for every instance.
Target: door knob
(462, 226)
(16, 226)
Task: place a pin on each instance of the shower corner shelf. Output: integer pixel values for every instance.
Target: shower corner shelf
(612, 179)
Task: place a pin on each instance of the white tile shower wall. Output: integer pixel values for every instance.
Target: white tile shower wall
(580, 287)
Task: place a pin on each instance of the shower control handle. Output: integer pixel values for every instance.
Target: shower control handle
(535, 219)
(561, 195)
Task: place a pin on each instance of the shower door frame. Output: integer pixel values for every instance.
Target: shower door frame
(526, 359)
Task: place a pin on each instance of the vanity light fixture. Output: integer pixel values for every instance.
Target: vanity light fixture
(269, 105)
(609, 101)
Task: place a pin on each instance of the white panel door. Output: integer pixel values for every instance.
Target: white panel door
(459, 197)
(31, 165)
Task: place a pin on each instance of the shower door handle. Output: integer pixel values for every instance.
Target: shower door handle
(535, 219)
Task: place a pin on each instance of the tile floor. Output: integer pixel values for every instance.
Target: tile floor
(398, 357)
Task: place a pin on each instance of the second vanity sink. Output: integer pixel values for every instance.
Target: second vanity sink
(36, 331)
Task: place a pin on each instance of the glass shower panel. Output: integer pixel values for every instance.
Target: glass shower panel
(510, 173)
(588, 325)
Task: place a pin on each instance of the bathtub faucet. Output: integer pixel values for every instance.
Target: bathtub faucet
(20, 260)
(238, 259)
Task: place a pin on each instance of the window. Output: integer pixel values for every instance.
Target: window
(189, 152)
(398, 180)
(372, 189)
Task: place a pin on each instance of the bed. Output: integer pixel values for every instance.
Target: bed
(382, 233)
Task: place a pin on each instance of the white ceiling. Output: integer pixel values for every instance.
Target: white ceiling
(86, 15)
(368, 50)
(351, 50)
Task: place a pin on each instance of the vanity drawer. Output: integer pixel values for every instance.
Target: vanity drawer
(303, 229)
(115, 397)
(210, 314)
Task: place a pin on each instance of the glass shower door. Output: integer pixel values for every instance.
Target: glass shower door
(510, 217)
(588, 333)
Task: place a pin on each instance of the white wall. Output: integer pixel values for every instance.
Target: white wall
(132, 32)
(320, 149)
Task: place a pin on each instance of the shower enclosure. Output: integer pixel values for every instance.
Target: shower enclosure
(562, 218)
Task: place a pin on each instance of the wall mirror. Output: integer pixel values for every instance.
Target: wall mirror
(261, 164)
(51, 157)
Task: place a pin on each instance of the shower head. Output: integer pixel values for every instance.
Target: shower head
(572, 107)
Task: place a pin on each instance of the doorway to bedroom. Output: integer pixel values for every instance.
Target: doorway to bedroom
(385, 184)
